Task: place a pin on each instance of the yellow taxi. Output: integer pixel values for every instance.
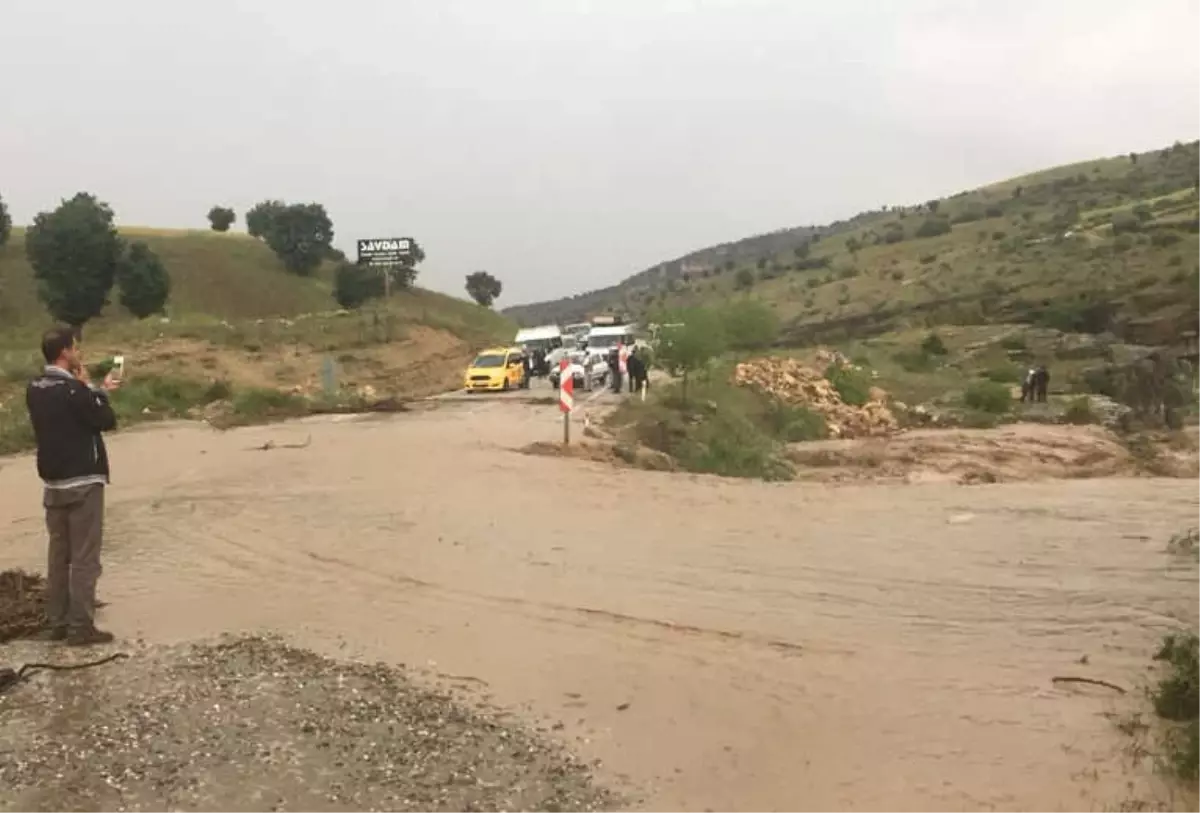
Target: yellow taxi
(497, 368)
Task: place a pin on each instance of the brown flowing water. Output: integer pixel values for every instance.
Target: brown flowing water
(715, 643)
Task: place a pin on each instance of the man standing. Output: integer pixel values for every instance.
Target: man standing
(638, 376)
(68, 417)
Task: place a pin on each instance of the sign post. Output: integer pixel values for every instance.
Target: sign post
(566, 398)
(385, 254)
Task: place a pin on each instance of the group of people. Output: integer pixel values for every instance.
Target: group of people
(635, 370)
(1035, 384)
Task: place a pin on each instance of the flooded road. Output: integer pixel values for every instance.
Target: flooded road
(717, 644)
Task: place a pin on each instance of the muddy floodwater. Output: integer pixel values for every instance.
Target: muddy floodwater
(712, 643)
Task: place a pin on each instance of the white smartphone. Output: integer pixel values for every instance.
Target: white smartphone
(118, 368)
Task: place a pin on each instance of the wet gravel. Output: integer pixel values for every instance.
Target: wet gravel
(251, 723)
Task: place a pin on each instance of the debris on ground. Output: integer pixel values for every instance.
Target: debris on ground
(22, 604)
(795, 382)
(253, 724)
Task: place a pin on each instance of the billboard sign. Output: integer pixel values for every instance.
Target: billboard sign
(384, 251)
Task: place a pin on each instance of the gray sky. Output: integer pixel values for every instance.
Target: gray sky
(563, 145)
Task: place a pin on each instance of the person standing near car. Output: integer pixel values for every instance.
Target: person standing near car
(69, 416)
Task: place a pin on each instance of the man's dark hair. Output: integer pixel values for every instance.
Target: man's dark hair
(55, 341)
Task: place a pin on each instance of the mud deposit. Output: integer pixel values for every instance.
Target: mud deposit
(22, 599)
(253, 724)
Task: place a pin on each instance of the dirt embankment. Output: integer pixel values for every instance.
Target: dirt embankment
(425, 362)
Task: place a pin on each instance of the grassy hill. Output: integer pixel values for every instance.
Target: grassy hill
(245, 340)
(1109, 244)
(230, 277)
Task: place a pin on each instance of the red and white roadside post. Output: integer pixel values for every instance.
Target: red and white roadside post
(566, 398)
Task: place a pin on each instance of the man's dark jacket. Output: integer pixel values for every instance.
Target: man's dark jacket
(68, 417)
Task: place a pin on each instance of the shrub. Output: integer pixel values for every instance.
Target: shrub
(852, 385)
(933, 345)
(933, 226)
(1176, 698)
(744, 278)
(928, 259)
(894, 235)
(144, 281)
(989, 397)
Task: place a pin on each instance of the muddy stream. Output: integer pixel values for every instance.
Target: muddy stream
(715, 644)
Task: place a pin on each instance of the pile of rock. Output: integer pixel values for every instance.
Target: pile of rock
(794, 382)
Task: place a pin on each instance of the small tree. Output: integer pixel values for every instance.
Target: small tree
(404, 274)
(749, 325)
(5, 224)
(932, 206)
(145, 284)
(354, 284)
(221, 218)
(300, 235)
(260, 216)
(743, 279)
(691, 347)
(74, 251)
(853, 245)
(801, 251)
(483, 288)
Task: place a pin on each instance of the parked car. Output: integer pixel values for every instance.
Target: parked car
(582, 367)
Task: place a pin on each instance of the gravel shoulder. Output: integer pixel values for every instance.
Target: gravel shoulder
(251, 723)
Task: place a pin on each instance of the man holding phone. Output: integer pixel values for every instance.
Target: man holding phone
(69, 416)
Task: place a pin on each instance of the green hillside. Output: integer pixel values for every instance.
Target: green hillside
(1109, 244)
(231, 277)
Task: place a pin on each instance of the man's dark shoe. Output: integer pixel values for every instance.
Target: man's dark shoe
(88, 637)
(52, 634)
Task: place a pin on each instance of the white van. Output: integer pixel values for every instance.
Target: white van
(544, 337)
(602, 339)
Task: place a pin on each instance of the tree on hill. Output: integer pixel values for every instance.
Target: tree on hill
(744, 279)
(74, 251)
(483, 288)
(221, 218)
(692, 346)
(5, 224)
(354, 284)
(300, 235)
(145, 284)
(749, 325)
(801, 251)
(259, 217)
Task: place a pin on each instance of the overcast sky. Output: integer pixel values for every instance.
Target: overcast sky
(564, 145)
